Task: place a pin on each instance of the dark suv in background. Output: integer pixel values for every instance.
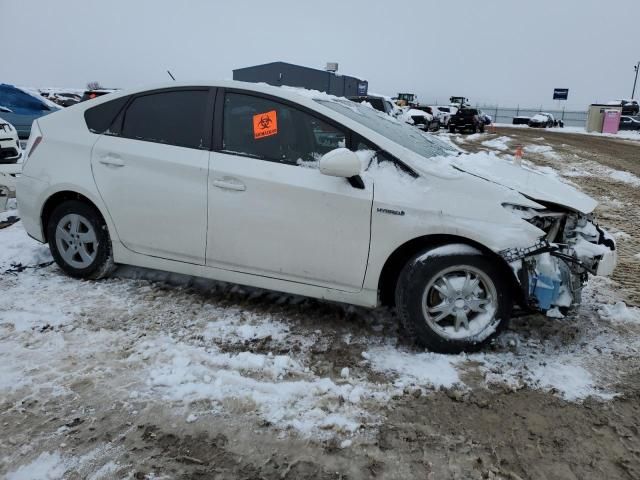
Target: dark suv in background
(466, 119)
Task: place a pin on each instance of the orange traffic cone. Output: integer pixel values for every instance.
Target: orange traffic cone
(518, 154)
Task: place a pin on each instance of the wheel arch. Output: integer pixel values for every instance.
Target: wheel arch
(59, 197)
(398, 259)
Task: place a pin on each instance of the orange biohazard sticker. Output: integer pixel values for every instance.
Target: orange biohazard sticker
(265, 124)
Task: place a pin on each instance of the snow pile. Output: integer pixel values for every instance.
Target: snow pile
(593, 169)
(560, 373)
(429, 370)
(18, 248)
(619, 312)
(236, 326)
(501, 143)
(275, 387)
(545, 150)
(622, 134)
(48, 466)
(538, 148)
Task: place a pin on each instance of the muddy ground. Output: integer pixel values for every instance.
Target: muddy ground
(484, 431)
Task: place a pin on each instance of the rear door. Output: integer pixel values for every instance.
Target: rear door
(271, 211)
(151, 170)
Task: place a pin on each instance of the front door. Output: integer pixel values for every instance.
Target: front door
(271, 211)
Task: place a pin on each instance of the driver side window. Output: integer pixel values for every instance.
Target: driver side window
(262, 128)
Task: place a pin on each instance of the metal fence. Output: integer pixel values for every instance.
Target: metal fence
(571, 118)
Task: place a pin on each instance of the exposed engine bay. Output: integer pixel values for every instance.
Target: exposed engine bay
(553, 271)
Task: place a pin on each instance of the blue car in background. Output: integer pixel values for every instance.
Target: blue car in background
(21, 108)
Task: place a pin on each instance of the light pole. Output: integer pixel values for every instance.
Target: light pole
(636, 67)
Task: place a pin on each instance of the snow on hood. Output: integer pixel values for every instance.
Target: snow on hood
(531, 183)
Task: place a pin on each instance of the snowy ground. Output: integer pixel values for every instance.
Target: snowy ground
(151, 375)
(622, 134)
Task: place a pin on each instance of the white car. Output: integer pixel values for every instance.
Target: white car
(305, 193)
(10, 151)
(444, 113)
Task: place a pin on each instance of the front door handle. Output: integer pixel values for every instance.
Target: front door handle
(228, 183)
(111, 160)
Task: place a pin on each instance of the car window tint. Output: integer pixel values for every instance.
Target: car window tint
(100, 118)
(269, 130)
(174, 117)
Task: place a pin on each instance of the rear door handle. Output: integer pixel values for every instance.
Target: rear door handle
(228, 183)
(111, 160)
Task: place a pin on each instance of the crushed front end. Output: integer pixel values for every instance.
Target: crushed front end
(553, 271)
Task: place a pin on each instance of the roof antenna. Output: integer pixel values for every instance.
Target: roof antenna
(172, 77)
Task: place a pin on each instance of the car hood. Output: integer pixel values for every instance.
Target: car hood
(538, 186)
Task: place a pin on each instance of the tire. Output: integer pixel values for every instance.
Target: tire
(474, 129)
(482, 128)
(420, 286)
(81, 245)
(452, 129)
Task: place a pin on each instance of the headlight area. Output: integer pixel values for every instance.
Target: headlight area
(553, 271)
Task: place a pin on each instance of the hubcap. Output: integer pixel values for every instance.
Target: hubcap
(76, 240)
(460, 302)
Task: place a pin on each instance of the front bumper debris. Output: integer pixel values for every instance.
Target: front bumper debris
(552, 274)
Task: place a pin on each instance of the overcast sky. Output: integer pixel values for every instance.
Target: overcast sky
(505, 51)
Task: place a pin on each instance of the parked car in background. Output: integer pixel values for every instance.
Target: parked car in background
(542, 120)
(381, 104)
(433, 123)
(521, 120)
(91, 94)
(420, 119)
(485, 118)
(466, 120)
(629, 123)
(379, 217)
(444, 113)
(21, 107)
(10, 151)
(629, 107)
(64, 99)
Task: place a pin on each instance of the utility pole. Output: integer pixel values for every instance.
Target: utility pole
(636, 67)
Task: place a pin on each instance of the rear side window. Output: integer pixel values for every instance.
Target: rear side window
(100, 118)
(175, 118)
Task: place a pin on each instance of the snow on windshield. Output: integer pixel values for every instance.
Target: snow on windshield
(409, 137)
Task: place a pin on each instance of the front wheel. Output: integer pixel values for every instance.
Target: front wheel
(452, 299)
(79, 240)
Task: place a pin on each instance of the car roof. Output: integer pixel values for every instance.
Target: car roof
(296, 94)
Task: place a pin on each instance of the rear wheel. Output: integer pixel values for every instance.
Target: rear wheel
(452, 129)
(452, 302)
(79, 240)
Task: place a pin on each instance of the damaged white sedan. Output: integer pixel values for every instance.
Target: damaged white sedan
(308, 194)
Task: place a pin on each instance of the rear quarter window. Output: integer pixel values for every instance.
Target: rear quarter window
(175, 117)
(100, 118)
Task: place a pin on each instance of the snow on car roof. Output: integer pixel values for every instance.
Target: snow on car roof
(35, 94)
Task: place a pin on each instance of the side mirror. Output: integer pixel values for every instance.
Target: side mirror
(340, 162)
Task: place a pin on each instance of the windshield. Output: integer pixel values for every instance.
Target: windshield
(409, 137)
